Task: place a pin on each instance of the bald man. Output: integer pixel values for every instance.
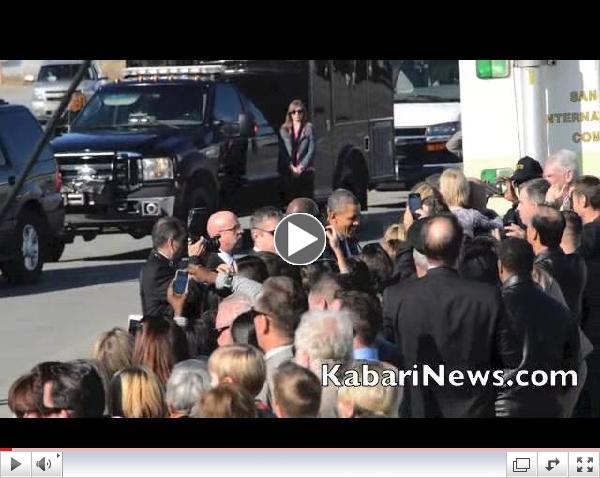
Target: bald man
(226, 225)
(229, 309)
(305, 205)
(444, 319)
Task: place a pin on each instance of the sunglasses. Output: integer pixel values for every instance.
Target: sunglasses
(222, 329)
(264, 230)
(298, 112)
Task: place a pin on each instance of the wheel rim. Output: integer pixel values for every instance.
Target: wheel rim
(30, 248)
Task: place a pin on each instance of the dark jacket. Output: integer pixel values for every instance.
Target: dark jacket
(156, 275)
(590, 251)
(442, 319)
(548, 335)
(404, 266)
(348, 244)
(570, 272)
(212, 261)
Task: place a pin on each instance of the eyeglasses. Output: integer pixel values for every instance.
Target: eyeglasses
(235, 228)
(296, 112)
(264, 230)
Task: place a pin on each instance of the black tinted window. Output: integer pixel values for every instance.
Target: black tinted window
(140, 106)
(227, 104)
(20, 133)
(350, 90)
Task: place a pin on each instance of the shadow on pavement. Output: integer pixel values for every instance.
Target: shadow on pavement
(65, 279)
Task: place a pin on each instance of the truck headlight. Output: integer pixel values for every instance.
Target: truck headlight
(157, 169)
(38, 94)
(442, 129)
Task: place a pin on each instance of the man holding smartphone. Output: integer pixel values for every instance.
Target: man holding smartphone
(168, 240)
(527, 169)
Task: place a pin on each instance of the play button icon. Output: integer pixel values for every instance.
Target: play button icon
(14, 464)
(300, 239)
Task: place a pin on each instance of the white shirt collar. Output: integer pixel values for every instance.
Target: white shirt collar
(276, 350)
(226, 257)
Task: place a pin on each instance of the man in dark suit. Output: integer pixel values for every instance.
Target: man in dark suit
(546, 331)
(586, 203)
(545, 234)
(343, 219)
(442, 319)
(168, 239)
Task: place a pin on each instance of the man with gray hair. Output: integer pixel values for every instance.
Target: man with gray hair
(189, 379)
(343, 220)
(560, 170)
(324, 338)
(532, 195)
(263, 223)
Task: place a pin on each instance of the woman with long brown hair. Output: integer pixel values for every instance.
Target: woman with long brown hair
(297, 153)
(160, 345)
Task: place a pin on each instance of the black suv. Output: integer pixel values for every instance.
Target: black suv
(29, 233)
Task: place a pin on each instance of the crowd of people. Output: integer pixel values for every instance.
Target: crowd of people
(451, 284)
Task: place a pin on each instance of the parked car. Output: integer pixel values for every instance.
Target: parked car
(29, 233)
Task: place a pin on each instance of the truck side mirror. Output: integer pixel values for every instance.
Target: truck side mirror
(246, 122)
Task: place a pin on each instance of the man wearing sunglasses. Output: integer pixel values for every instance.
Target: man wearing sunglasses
(263, 223)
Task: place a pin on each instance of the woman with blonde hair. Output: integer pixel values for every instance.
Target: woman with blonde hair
(136, 392)
(393, 239)
(455, 189)
(369, 401)
(113, 350)
(296, 155)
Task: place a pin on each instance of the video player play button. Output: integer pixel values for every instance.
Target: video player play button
(14, 464)
(300, 239)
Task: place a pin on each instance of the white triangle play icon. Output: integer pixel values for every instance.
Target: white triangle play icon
(298, 239)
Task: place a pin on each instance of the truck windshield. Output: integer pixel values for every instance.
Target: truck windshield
(426, 81)
(140, 106)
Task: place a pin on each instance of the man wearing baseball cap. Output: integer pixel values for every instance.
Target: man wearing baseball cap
(527, 169)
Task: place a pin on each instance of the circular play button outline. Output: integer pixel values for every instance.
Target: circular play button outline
(321, 238)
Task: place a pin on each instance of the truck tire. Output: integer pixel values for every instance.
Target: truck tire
(54, 250)
(25, 267)
(353, 175)
(199, 193)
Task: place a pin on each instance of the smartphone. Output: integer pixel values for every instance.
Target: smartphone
(180, 285)
(492, 175)
(135, 324)
(414, 204)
